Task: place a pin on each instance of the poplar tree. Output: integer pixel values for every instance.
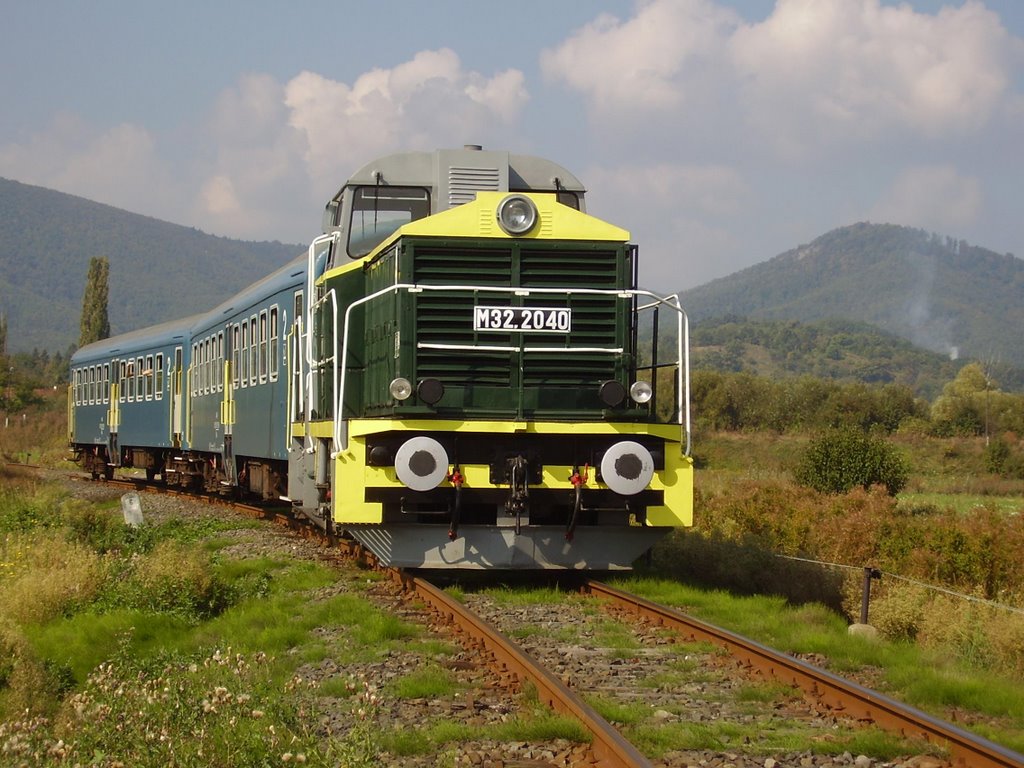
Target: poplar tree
(3, 335)
(95, 324)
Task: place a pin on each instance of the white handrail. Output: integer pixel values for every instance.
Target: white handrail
(671, 301)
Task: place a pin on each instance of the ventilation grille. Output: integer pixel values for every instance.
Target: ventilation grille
(464, 182)
(447, 317)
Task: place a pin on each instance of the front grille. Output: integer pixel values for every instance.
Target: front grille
(446, 317)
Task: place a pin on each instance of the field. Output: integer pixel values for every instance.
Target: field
(89, 606)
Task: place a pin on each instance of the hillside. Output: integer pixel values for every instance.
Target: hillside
(941, 294)
(829, 349)
(158, 270)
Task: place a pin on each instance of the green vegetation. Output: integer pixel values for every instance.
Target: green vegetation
(842, 459)
(95, 323)
(150, 646)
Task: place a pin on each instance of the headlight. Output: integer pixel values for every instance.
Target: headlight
(400, 389)
(640, 392)
(517, 214)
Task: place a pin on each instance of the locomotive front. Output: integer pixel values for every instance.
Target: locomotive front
(469, 388)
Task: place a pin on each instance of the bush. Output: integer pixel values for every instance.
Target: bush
(842, 459)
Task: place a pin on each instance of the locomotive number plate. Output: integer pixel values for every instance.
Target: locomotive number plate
(555, 320)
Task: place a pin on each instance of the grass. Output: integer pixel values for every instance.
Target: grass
(155, 647)
(927, 680)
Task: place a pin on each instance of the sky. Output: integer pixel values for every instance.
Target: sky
(720, 133)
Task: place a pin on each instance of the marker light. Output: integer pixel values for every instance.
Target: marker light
(400, 389)
(430, 391)
(517, 214)
(611, 393)
(641, 392)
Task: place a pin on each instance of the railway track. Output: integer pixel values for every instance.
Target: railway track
(838, 694)
(609, 748)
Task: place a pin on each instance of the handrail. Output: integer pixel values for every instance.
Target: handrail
(671, 301)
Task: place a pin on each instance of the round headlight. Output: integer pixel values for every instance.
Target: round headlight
(400, 389)
(640, 392)
(517, 214)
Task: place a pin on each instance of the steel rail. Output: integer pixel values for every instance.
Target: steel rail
(609, 747)
(967, 749)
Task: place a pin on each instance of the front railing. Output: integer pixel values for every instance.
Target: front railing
(340, 357)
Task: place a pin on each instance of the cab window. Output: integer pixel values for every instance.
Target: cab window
(378, 211)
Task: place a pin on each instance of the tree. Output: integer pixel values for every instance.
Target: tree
(3, 335)
(95, 324)
(843, 458)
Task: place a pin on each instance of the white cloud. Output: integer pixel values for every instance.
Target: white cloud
(429, 101)
(859, 69)
(936, 198)
(118, 166)
(813, 72)
(646, 62)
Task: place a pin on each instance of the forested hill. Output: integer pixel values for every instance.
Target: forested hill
(941, 294)
(158, 271)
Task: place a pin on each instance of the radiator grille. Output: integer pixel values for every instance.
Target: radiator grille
(444, 317)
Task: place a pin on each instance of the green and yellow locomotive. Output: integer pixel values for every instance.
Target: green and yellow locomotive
(474, 374)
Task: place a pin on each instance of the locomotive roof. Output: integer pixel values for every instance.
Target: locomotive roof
(423, 168)
(447, 172)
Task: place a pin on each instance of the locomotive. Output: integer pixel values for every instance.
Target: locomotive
(460, 372)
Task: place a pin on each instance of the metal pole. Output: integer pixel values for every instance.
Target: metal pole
(869, 574)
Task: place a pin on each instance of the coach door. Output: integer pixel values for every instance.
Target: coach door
(177, 417)
(227, 404)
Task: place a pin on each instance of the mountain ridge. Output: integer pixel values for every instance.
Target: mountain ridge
(47, 239)
(939, 293)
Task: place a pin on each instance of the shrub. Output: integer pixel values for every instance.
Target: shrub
(46, 576)
(174, 579)
(842, 459)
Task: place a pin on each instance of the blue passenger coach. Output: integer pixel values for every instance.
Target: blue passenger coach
(238, 388)
(127, 407)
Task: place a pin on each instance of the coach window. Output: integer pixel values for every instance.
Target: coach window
(298, 306)
(193, 371)
(253, 349)
(274, 335)
(235, 342)
(378, 211)
(149, 377)
(123, 379)
(263, 346)
(140, 378)
(244, 354)
(158, 372)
